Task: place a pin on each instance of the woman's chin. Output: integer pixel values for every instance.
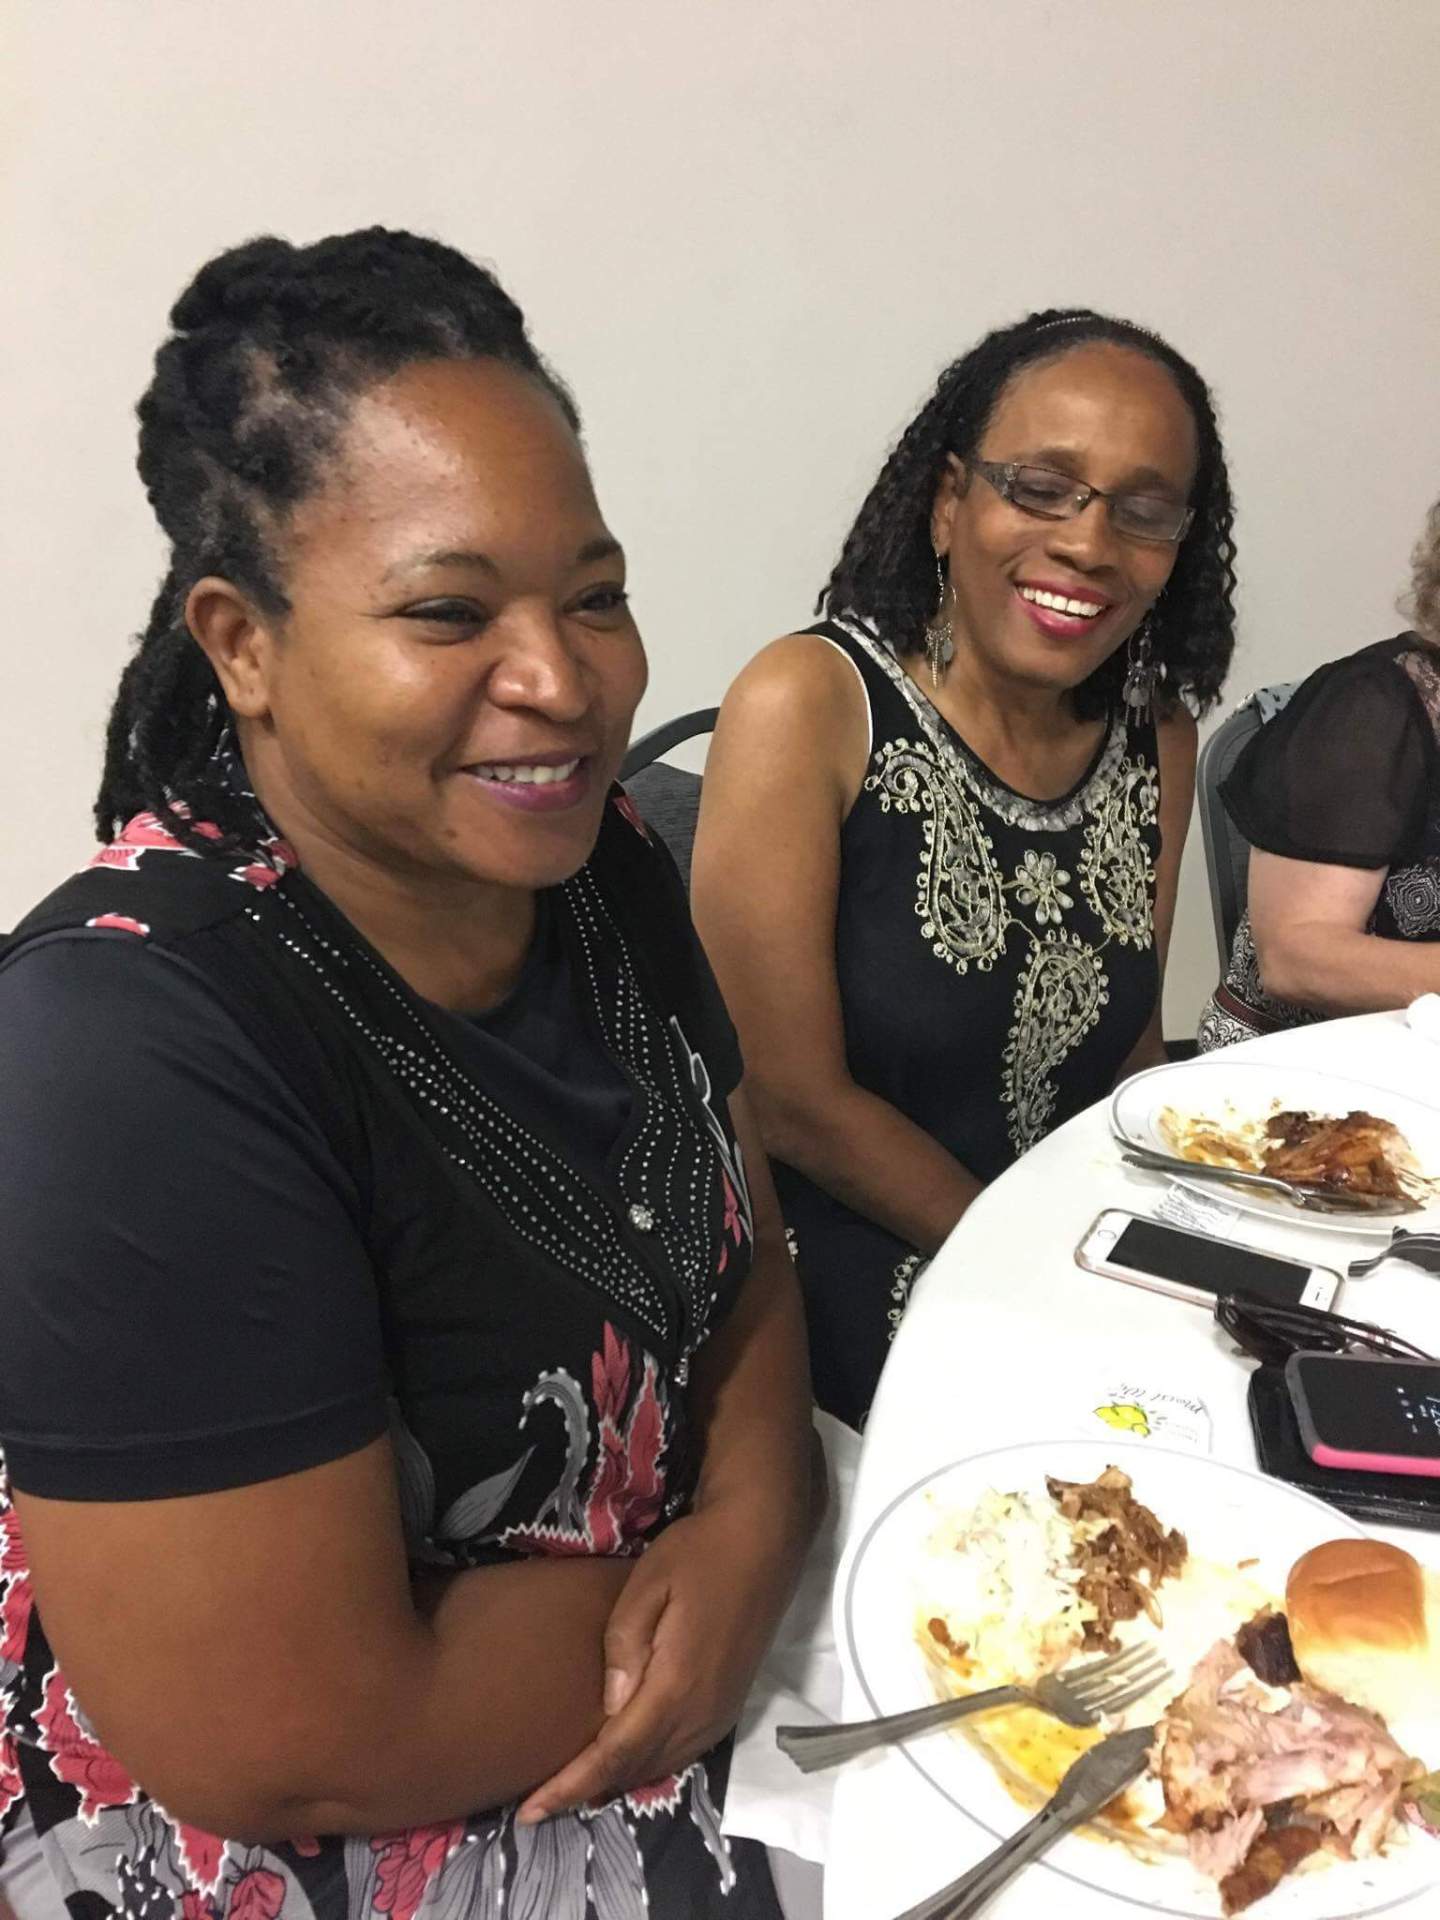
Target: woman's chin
(530, 860)
(1057, 677)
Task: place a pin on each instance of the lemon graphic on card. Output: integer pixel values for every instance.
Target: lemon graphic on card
(1126, 1417)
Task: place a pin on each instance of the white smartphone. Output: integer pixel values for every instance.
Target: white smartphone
(1191, 1266)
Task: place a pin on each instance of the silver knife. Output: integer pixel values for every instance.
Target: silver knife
(1094, 1779)
(1311, 1199)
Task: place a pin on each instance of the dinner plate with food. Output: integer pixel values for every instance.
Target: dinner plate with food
(1296, 1752)
(1316, 1132)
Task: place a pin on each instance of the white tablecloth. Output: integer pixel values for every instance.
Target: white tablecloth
(1006, 1339)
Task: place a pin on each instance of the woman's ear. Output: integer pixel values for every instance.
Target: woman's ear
(236, 640)
(953, 485)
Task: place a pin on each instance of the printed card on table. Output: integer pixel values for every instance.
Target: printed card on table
(1136, 1408)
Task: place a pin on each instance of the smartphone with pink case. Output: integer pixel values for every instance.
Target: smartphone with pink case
(1366, 1414)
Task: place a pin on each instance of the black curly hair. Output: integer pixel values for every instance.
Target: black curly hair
(270, 344)
(886, 570)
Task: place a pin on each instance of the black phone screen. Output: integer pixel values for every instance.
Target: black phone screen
(1371, 1406)
(1213, 1266)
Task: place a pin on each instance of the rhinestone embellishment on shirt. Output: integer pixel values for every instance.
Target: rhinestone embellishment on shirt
(642, 1218)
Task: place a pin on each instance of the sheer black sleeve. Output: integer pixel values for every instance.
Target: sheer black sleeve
(1343, 774)
(186, 1302)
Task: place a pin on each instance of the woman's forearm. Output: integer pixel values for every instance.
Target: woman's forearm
(751, 1386)
(261, 1664)
(1340, 970)
(867, 1155)
(499, 1686)
(752, 1404)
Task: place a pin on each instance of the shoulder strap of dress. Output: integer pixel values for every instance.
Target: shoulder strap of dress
(873, 662)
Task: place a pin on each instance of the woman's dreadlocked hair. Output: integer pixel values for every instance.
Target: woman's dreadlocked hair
(886, 571)
(270, 344)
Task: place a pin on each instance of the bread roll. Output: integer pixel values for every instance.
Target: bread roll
(1359, 1626)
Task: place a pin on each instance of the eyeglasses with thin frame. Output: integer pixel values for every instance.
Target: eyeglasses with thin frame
(1271, 1333)
(1058, 496)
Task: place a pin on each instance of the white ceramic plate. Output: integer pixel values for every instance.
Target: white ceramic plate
(1227, 1514)
(1246, 1088)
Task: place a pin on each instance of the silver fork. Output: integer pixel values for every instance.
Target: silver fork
(1078, 1698)
(1308, 1199)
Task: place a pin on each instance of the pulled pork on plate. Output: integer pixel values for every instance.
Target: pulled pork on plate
(1119, 1540)
(1257, 1777)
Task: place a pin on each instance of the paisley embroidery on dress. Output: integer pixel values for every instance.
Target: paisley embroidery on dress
(1061, 991)
(969, 910)
(1117, 874)
(960, 896)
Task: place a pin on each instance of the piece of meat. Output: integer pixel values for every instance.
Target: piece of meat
(940, 1634)
(1226, 1753)
(1218, 1851)
(1357, 1153)
(1128, 1542)
(1275, 1852)
(1264, 1645)
(1196, 1796)
(1362, 1814)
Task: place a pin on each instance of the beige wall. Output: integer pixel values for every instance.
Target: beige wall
(749, 233)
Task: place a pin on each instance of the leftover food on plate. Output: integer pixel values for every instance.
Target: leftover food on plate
(1121, 1550)
(1022, 1581)
(1342, 1153)
(1285, 1738)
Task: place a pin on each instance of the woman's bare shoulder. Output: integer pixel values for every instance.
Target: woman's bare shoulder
(798, 673)
(800, 697)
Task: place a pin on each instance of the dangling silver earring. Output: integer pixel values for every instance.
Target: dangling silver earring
(939, 634)
(1141, 671)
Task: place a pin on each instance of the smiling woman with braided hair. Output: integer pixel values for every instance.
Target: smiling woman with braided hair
(941, 831)
(402, 1381)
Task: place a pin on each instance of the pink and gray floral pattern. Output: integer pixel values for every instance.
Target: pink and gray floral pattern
(591, 1455)
(590, 1865)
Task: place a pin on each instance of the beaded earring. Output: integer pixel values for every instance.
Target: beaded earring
(1141, 671)
(939, 634)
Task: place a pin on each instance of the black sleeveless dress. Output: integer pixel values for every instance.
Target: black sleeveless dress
(996, 964)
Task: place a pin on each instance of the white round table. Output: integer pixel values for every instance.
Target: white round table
(1007, 1339)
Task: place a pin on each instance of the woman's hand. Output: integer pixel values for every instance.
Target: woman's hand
(682, 1647)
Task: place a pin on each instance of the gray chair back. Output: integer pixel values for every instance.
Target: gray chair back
(669, 797)
(1227, 852)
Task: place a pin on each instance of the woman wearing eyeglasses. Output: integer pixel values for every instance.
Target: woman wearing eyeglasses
(1339, 798)
(941, 830)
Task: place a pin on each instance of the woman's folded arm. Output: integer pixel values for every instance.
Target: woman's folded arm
(255, 1660)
